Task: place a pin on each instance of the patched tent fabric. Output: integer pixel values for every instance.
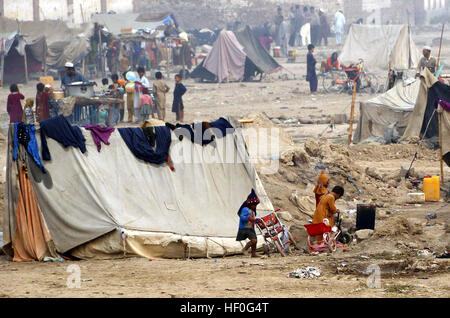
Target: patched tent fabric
(236, 56)
(393, 106)
(63, 43)
(263, 61)
(227, 57)
(380, 46)
(111, 203)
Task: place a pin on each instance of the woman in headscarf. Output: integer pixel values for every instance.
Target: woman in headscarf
(247, 220)
(321, 187)
(332, 62)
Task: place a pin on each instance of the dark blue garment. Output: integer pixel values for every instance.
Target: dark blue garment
(59, 129)
(26, 135)
(139, 145)
(178, 93)
(222, 124)
(311, 75)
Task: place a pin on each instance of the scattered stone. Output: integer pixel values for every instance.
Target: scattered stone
(372, 172)
(276, 121)
(312, 148)
(363, 234)
(285, 216)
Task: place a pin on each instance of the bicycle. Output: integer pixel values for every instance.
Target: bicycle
(338, 80)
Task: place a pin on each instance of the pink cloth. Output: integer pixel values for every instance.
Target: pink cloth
(145, 99)
(227, 57)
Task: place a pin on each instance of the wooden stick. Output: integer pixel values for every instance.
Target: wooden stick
(352, 114)
(440, 46)
(440, 145)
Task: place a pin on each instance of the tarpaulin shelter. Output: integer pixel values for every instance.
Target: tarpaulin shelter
(117, 23)
(107, 203)
(235, 56)
(63, 43)
(20, 58)
(413, 110)
(392, 107)
(384, 47)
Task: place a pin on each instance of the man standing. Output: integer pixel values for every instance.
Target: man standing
(278, 20)
(315, 26)
(305, 30)
(324, 28)
(71, 76)
(339, 25)
(283, 36)
(427, 61)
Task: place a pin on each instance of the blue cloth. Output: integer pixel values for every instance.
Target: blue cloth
(27, 133)
(244, 223)
(77, 77)
(222, 124)
(139, 145)
(59, 129)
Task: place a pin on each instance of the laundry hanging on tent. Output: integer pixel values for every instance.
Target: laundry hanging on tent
(100, 134)
(445, 105)
(149, 132)
(25, 134)
(207, 136)
(139, 145)
(59, 129)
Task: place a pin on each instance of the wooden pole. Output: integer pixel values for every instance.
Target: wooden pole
(440, 144)
(352, 114)
(440, 46)
(82, 13)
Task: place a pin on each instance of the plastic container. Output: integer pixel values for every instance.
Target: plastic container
(415, 198)
(431, 188)
(277, 51)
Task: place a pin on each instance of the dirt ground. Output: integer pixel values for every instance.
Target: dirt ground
(403, 246)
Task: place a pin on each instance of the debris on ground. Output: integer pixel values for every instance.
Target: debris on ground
(306, 272)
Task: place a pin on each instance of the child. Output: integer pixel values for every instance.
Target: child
(14, 106)
(160, 88)
(28, 114)
(105, 85)
(177, 106)
(103, 115)
(53, 104)
(145, 106)
(130, 102)
(42, 107)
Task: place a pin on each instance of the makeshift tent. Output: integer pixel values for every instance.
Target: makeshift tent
(14, 51)
(63, 43)
(236, 56)
(117, 23)
(107, 203)
(380, 46)
(393, 107)
(425, 113)
(412, 108)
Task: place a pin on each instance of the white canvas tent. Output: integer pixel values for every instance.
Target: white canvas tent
(392, 107)
(380, 46)
(110, 203)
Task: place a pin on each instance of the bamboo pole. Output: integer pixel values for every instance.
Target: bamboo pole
(440, 47)
(440, 144)
(26, 64)
(352, 114)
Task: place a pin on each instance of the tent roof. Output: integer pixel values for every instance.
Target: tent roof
(116, 22)
(380, 45)
(256, 52)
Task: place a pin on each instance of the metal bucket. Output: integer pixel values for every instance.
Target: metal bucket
(83, 90)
